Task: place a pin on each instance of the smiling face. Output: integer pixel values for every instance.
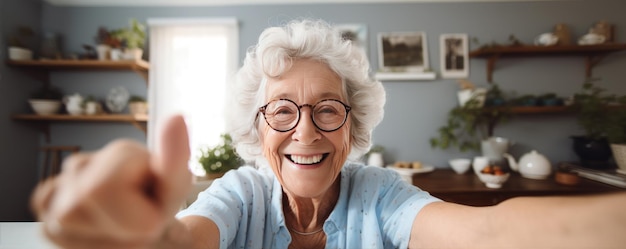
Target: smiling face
(305, 159)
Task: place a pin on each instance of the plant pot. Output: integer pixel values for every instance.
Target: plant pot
(138, 108)
(116, 54)
(17, 53)
(593, 153)
(103, 51)
(619, 154)
(133, 54)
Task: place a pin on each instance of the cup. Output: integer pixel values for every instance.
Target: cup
(460, 165)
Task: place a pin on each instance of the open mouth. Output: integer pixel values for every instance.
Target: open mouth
(307, 160)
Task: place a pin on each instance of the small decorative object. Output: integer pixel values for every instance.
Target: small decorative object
(375, 156)
(19, 44)
(469, 91)
(604, 29)
(74, 104)
(137, 105)
(460, 165)
(46, 100)
(546, 39)
(591, 39)
(563, 34)
(493, 180)
(91, 106)
(219, 159)
(117, 99)
(454, 55)
(403, 52)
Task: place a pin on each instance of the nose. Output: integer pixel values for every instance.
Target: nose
(306, 132)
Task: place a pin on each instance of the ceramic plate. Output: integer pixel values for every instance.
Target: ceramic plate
(410, 171)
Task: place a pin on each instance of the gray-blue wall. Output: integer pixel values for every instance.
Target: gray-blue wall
(414, 110)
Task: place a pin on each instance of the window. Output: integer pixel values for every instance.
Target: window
(190, 64)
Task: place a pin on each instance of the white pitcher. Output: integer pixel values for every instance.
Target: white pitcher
(73, 104)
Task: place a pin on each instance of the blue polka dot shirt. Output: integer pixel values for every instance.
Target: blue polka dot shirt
(376, 209)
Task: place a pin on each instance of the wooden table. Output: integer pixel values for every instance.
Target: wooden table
(469, 190)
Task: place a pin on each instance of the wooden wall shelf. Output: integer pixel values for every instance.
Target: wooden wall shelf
(593, 53)
(140, 66)
(139, 121)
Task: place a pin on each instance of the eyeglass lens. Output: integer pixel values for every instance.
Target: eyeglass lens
(284, 114)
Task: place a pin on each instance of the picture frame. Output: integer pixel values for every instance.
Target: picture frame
(454, 56)
(355, 32)
(403, 52)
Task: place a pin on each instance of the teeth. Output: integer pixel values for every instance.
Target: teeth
(306, 159)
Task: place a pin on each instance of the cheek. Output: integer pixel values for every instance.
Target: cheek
(343, 149)
(270, 147)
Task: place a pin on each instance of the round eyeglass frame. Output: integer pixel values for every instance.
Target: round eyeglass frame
(262, 110)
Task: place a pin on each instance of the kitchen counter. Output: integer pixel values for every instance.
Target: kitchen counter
(469, 190)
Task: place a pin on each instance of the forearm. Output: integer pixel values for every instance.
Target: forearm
(192, 232)
(563, 222)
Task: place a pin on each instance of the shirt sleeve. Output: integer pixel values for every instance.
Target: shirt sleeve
(399, 204)
(228, 202)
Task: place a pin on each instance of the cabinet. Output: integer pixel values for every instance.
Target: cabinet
(40, 69)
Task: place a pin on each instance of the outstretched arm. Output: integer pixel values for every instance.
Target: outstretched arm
(525, 222)
(124, 196)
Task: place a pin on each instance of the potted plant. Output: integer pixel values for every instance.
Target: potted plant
(219, 159)
(46, 100)
(137, 105)
(133, 39)
(590, 105)
(19, 44)
(105, 41)
(468, 125)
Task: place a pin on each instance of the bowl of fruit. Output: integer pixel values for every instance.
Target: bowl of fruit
(493, 176)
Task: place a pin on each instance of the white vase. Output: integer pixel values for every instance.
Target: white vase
(116, 54)
(375, 159)
(133, 54)
(103, 51)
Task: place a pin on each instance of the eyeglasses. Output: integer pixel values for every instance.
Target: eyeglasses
(283, 114)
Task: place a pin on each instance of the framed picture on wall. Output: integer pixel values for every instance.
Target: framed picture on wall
(357, 33)
(403, 52)
(454, 56)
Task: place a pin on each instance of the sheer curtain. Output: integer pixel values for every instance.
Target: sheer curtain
(191, 62)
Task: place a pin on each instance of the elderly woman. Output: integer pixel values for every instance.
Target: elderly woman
(305, 107)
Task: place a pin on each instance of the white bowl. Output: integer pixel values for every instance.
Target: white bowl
(17, 53)
(44, 106)
(460, 165)
(493, 181)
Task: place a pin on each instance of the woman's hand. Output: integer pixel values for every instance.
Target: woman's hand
(122, 196)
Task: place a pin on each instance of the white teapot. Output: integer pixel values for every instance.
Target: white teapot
(73, 104)
(531, 165)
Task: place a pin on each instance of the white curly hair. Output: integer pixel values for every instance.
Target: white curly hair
(277, 49)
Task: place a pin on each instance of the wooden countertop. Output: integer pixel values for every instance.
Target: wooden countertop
(468, 189)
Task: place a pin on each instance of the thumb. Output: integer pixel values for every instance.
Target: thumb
(171, 163)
